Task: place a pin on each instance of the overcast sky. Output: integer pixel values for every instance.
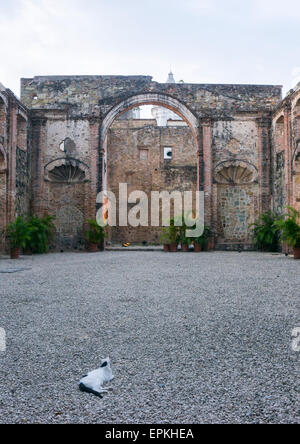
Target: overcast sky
(204, 41)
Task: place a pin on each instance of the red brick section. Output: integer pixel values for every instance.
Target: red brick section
(208, 168)
(288, 142)
(3, 170)
(39, 206)
(150, 173)
(90, 200)
(215, 102)
(10, 115)
(288, 154)
(12, 162)
(264, 152)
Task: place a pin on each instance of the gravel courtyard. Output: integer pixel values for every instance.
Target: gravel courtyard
(193, 338)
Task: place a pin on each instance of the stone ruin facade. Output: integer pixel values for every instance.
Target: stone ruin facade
(63, 142)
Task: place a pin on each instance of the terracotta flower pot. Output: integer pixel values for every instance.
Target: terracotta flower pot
(173, 248)
(166, 248)
(185, 248)
(15, 253)
(197, 248)
(297, 253)
(93, 248)
(211, 244)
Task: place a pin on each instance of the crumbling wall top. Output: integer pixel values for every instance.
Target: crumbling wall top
(90, 95)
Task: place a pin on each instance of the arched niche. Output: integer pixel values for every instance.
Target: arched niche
(67, 171)
(235, 172)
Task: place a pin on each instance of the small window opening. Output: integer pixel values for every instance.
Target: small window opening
(62, 146)
(168, 153)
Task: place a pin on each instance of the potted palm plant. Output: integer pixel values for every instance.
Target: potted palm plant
(170, 237)
(200, 243)
(209, 243)
(95, 236)
(290, 230)
(266, 233)
(185, 245)
(18, 234)
(165, 240)
(41, 232)
(182, 238)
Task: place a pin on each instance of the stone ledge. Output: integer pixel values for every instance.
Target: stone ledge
(235, 247)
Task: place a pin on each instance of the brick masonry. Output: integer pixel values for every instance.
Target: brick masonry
(286, 152)
(136, 157)
(14, 160)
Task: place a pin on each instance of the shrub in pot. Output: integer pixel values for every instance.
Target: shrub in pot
(200, 244)
(209, 243)
(170, 236)
(18, 234)
(164, 238)
(289, 226)
(185, 248)
(41, 232)
(173, 248)
(95, 236)
(183, 239)
(266, 233)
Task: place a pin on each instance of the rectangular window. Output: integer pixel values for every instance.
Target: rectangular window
(168, 153)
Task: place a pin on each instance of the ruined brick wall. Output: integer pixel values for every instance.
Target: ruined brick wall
(136, 157)
(14, 172)
(296, 183)
(22, 183)
(286, 152)
(22, 204)
(295, 134)
(96, 95)
(279, 165)
(234, 146)
(2, 202)
(237, 208)
(3, 176)
(230, 124)
(61, 164)
(66, 203)
(62, 161)
(279, 188)
(236, 170)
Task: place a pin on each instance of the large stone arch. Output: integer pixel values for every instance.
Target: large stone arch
(156, 99)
